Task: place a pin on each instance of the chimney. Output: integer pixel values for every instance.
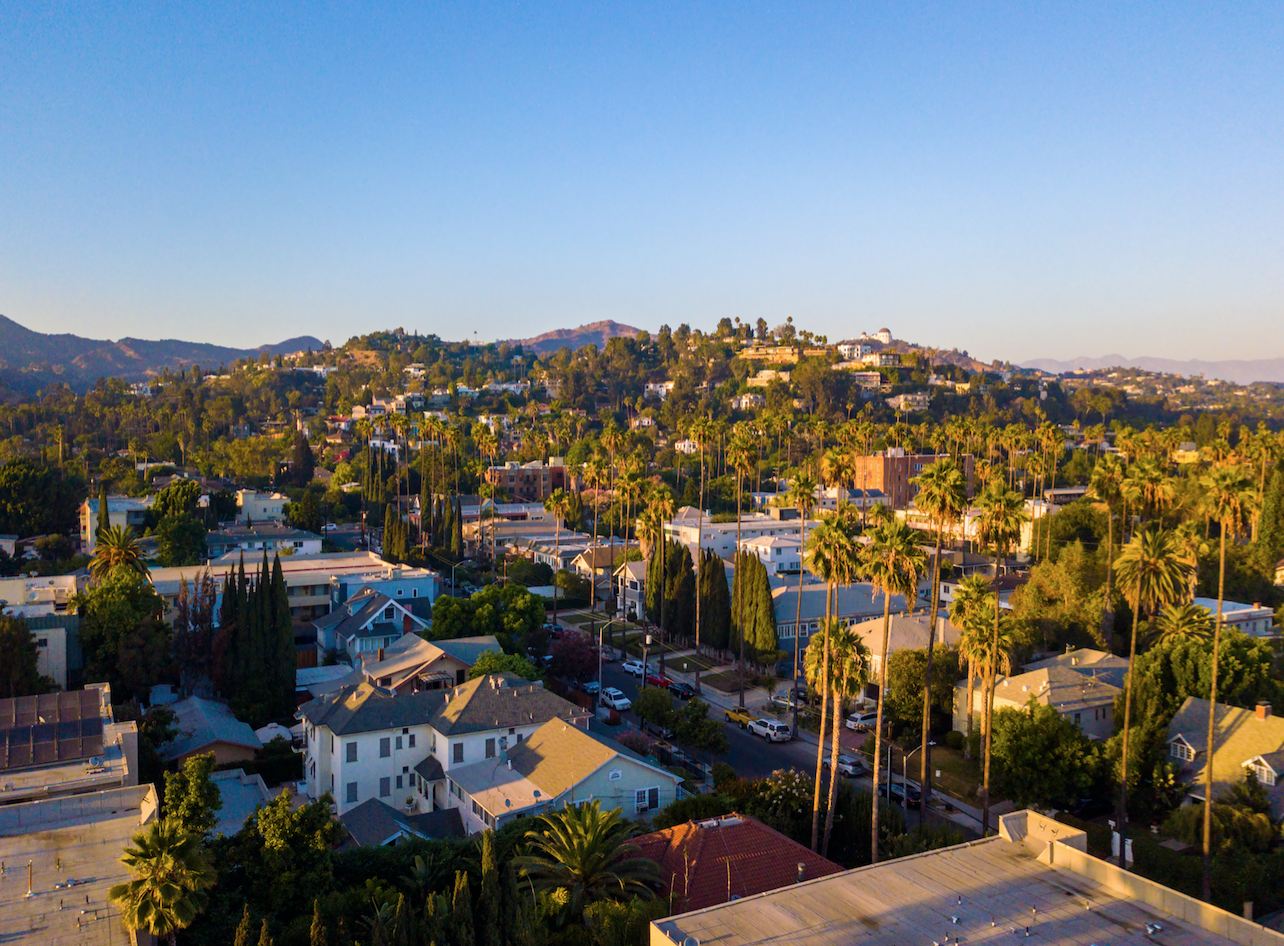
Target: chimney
(380, 657)
(1263, 710)
(802, 872)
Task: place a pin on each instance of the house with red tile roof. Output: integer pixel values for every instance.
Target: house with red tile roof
(716, 860)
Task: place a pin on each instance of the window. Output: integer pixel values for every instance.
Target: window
(385, 787)
(1265, 775)
(646, 799)
(519, 737)
(385, 747)
(331, 783)
(490, 748)
(412, 741)
(331, 743)
(615, 775)
(398, 743)
(399, 778)
(351, 749)
(457, 752)
(352, 793)
(400, 592)
(414, 592)
(1179, 750)
(1076, 719)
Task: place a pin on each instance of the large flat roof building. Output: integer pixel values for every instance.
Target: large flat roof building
(1034, 876)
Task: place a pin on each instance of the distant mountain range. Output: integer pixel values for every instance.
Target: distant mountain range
(595, 333)
(30, 360)
(1240, 372)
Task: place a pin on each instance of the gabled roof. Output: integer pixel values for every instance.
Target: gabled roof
(362, 707)
(1240, 737)
(374, 823)
(704, 863)
(1101, 663)
(411, 655)
(202, 723)
(499, 701)
(361, 616)
(597, 556)
(558, 756)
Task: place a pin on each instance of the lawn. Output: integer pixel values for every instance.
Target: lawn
(727, 681)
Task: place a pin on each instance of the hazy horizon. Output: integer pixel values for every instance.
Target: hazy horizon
(1020, 183)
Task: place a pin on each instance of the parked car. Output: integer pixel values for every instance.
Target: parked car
(615, 699)
(609, 656)
(655, 729)
(654, 679)
(329, 527)
(771, 730)
(591, 687)
(1089, 808)
(862, 722)
(848, 765)
(739, 715)
(633, 667)
(785, 701)
(910, 798)
(683, 691)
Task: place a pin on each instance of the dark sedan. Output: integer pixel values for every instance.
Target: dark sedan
(683, 691)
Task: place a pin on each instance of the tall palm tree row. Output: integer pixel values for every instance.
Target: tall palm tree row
(894, 565)
(1154, 570)
(1229, 498)
(802, 496)
(1001, 517)
(969, 610)
(848, 673)
(942, 496)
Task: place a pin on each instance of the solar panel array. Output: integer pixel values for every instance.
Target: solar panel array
(55, 727)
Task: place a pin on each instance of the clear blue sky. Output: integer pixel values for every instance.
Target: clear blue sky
(1018, 180)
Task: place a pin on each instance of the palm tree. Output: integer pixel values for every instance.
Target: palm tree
(832, 557)
(802, 496)
(968, 611)
(942, 495)
(1106, 486)
(1228, 496)
(895, 563)
(595, 471)
(1182, 622)
(585, 851)
(117, 549)
(849, 671)
(660, 507)
(559, 506)
(171, 875)
(1002, 514)
(1155, 569)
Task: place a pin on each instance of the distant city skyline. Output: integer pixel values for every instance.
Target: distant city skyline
(1018, 182)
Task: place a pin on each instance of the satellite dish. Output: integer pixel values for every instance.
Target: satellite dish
(690, 941)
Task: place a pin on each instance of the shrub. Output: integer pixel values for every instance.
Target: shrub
(722, 773)
(955, 740)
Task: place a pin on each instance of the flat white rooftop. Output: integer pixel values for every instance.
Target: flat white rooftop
(1035, 876)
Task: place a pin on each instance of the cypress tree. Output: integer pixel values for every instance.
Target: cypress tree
(286, 660)
(461, 912)
(764, 612)
(715, 602)
(242, 937)
(448, 523)
(488, 901)
(680, 585)
(389, 533)
(1270, 528)
(265, 938)
(457, 530)
(104, 515)
(317, 934)
(425, 498)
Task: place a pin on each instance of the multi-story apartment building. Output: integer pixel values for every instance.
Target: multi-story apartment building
(123, 511)
(892, 469)
(530, 482)
(368, 742)
(685, 527)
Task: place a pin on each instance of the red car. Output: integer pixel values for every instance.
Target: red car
(657, 680)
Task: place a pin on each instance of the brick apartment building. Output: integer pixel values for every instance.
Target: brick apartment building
(892, 469)
(530, 482)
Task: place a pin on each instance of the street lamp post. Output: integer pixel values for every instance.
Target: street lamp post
(922, 802)
(597, 702)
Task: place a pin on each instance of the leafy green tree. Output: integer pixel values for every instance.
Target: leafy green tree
(283, 856)
(180, 540)
(696, 730)
(123, 636)
(654, 705)
(191, 797)
(35, 501)
(19, 675)
(303, 462)
(171, 879)
(906, 679)
(179, 498)
(306, 514)
(510, 612)
(494, 661)
(1042, 759)
(584, 851)
(622, 924)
